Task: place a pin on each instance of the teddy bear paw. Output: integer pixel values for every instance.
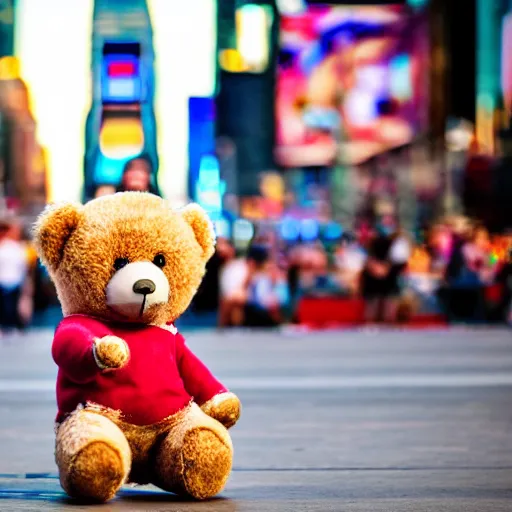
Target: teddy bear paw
(207, 461)
(225, 408)
(110, 352)
(97, 473)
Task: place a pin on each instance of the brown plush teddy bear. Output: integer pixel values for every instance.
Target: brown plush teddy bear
(135, 404)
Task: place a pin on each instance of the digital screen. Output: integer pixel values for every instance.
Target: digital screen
(401, 77)
(122, 88)
(352, 79)
(121, 69)
(121, 79)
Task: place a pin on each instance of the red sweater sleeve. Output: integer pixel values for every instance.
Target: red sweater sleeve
(72, 350)
(199, 381)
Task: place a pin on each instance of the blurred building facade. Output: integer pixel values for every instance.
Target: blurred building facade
(23, 161)
(286, 113)
(121, 123)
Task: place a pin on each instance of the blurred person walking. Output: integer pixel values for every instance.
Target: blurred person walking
(234, 277)
(14, 269)
(317, 278)
(138, 176)
(504, 278)
(466, 274)
(207, 298)
(267, 291)
(387, 259)
(350, 259)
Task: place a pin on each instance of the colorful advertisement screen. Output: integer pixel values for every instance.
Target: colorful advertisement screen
(353, 78)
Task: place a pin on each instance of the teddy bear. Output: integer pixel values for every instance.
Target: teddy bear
(135, 405)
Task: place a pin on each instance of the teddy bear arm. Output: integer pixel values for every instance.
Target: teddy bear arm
(225, 408)
(197, 378)
(72, 351)
(110, 352)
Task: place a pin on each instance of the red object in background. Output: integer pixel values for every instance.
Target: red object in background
(328, 312)
(477, 194)
(494, 293)
(116, 69)
(272, 208)
(13, 204)
(478, 171)
(304, 23)
(426, 321)
(364, 234)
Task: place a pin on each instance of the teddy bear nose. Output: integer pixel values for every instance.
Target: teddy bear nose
(144, 286)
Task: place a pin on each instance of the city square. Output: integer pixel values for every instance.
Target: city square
(358, 420)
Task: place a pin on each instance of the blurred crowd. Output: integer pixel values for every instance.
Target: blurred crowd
(455, 270)
(18, 263)
(458, 272)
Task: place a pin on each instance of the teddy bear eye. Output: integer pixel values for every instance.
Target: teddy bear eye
(159, 260)
(120, 263)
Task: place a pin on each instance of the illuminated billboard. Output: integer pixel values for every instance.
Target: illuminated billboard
(355, 74)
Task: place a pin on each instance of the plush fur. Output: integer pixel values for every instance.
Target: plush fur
(124, 265)
(79, 244)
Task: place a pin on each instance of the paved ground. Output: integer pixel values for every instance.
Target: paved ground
(352, 421)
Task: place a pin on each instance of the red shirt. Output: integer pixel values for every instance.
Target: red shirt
(161, 377)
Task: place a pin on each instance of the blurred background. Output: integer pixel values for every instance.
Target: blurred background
(356, 158)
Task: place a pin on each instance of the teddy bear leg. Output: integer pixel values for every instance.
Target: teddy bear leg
(93, 456)
(195, 458)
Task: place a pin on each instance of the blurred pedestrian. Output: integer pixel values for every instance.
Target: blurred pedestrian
(207, 297)
(138, 176)
(14, 267)
(466, 274)
(266, 291)
(381, 275)
(234, 276)
(350, 259)
(316, 278)
(504, 278)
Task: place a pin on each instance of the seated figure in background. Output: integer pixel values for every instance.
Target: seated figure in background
(266, 291)
(350, 259)
(137, 176)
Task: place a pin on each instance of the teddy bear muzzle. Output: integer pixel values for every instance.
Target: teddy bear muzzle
(135, 288)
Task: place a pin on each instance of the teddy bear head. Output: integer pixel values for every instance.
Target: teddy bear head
(128, 257)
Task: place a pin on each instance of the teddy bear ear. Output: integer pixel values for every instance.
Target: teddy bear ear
(53, 229)
(202, 227)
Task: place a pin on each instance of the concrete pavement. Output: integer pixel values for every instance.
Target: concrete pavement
(345, 421)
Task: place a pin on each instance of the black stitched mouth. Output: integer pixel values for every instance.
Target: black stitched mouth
(141, 312)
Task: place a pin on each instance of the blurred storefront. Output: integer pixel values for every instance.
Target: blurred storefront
(248, 34)
(494, 72)
(6, 27)
(23, 159)
(121, 123)
(341, 101)
(318, 95)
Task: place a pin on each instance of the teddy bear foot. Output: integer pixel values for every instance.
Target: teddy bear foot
(97, 473)
(93, 456)
(206, 463)
(195, 459)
